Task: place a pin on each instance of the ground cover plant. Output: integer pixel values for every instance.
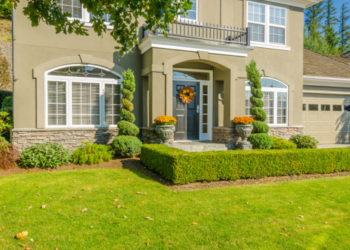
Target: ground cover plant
(182, 167)
(45, 155)
(89, 153)
(280, 143)
(121, 209)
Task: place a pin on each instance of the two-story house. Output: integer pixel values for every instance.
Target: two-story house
(67, 87)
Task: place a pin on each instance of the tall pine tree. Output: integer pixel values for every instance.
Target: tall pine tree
(344, 29)
(331, 35)
(314, 16)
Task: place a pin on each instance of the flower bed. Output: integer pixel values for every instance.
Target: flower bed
(182, 167)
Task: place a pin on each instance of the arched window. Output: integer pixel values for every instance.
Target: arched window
(82, 96)
(275, 101)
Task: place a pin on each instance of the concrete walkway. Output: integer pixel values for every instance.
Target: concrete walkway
(333, 145)
(202, 146)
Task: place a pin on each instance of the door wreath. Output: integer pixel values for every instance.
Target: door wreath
(186, 94)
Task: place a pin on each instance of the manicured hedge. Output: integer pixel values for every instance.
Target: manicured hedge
(182, 167)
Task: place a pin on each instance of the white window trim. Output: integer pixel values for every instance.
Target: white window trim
(69, 79)
(267, 25)
(183, 19)
(85, 18)
(275, 91)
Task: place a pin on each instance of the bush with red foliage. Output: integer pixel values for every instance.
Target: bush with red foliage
(8, 156)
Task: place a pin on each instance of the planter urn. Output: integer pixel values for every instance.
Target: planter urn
(244, 131)
(165, 132)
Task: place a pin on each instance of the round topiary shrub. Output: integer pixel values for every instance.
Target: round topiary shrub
(260, 127)
(280, 143)
(45, 155)
(127, 146)
(127, 128)
(261, 141)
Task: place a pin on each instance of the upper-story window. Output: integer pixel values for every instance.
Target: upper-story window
(193, 12)
(267, 24)
(75, 8)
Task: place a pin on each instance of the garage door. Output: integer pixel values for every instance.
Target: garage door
(327, 117)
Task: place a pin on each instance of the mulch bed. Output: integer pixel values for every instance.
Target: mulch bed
(136, 165)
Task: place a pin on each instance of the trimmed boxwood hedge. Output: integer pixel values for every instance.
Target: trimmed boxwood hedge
(182, 167)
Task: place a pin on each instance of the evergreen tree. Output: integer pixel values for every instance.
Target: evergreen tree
(344, 28)
(314, 16)
(331, 35)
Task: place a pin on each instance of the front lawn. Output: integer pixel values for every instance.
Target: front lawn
(262, 216)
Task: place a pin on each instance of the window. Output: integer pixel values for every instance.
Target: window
(275, 101)
(82, 96)
(325, 107)
(267, 24)
(304, 107)
(193, 12)
(313, 107)
(336, 107)
(75, 8)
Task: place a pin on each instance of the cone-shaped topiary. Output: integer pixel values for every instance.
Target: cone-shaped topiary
(126, 143)
(128, 89)
(254, 76)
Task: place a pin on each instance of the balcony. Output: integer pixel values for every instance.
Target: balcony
(195, 36)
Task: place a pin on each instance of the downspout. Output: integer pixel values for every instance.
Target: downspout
(13, 74)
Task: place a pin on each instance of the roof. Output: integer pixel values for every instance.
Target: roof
(316, 64)
(346, 55)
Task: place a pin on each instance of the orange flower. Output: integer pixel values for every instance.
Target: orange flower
(243, 120)
(165, 120)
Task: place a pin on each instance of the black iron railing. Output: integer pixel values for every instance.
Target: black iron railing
(215, 33)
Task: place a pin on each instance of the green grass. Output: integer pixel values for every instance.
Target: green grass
(225, 219)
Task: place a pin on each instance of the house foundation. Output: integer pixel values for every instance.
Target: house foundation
(70, 138)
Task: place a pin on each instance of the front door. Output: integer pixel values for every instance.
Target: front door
(187, 115)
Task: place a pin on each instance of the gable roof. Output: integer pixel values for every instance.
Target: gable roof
(316, 64)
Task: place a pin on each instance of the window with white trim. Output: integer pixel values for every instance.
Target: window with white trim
(275, 101)
(193, 12)
(76, 9)
(267, 24)
(82, 96)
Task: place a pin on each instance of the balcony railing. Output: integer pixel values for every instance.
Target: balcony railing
(200, 31)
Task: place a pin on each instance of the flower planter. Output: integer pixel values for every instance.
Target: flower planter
(244, 131)
(165, 132)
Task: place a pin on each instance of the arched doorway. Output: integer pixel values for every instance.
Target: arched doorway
(194, 119)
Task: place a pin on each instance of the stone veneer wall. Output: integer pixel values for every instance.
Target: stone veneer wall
(229, 136)
(71, 138)
(149, 136)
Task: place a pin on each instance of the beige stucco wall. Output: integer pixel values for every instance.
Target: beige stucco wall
(36, 46)
(40, 47)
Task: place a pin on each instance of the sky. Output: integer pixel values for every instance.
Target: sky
(338, 4)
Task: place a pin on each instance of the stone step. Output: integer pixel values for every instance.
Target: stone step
(200, 146)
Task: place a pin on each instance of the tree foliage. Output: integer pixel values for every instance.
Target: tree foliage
(5, 9)
(125, 17)
(344, 28)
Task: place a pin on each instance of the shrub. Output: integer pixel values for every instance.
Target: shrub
(45, 155)
(280, 143)
(3, 94)
(89, 153)
(254, 76)
(182, 167)
(127, 128)
(127, 146)
(7, 104)
(261, 141)
(260, 127)
(128, 85)
(8, 155)
(6, 122)
(304, 141)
